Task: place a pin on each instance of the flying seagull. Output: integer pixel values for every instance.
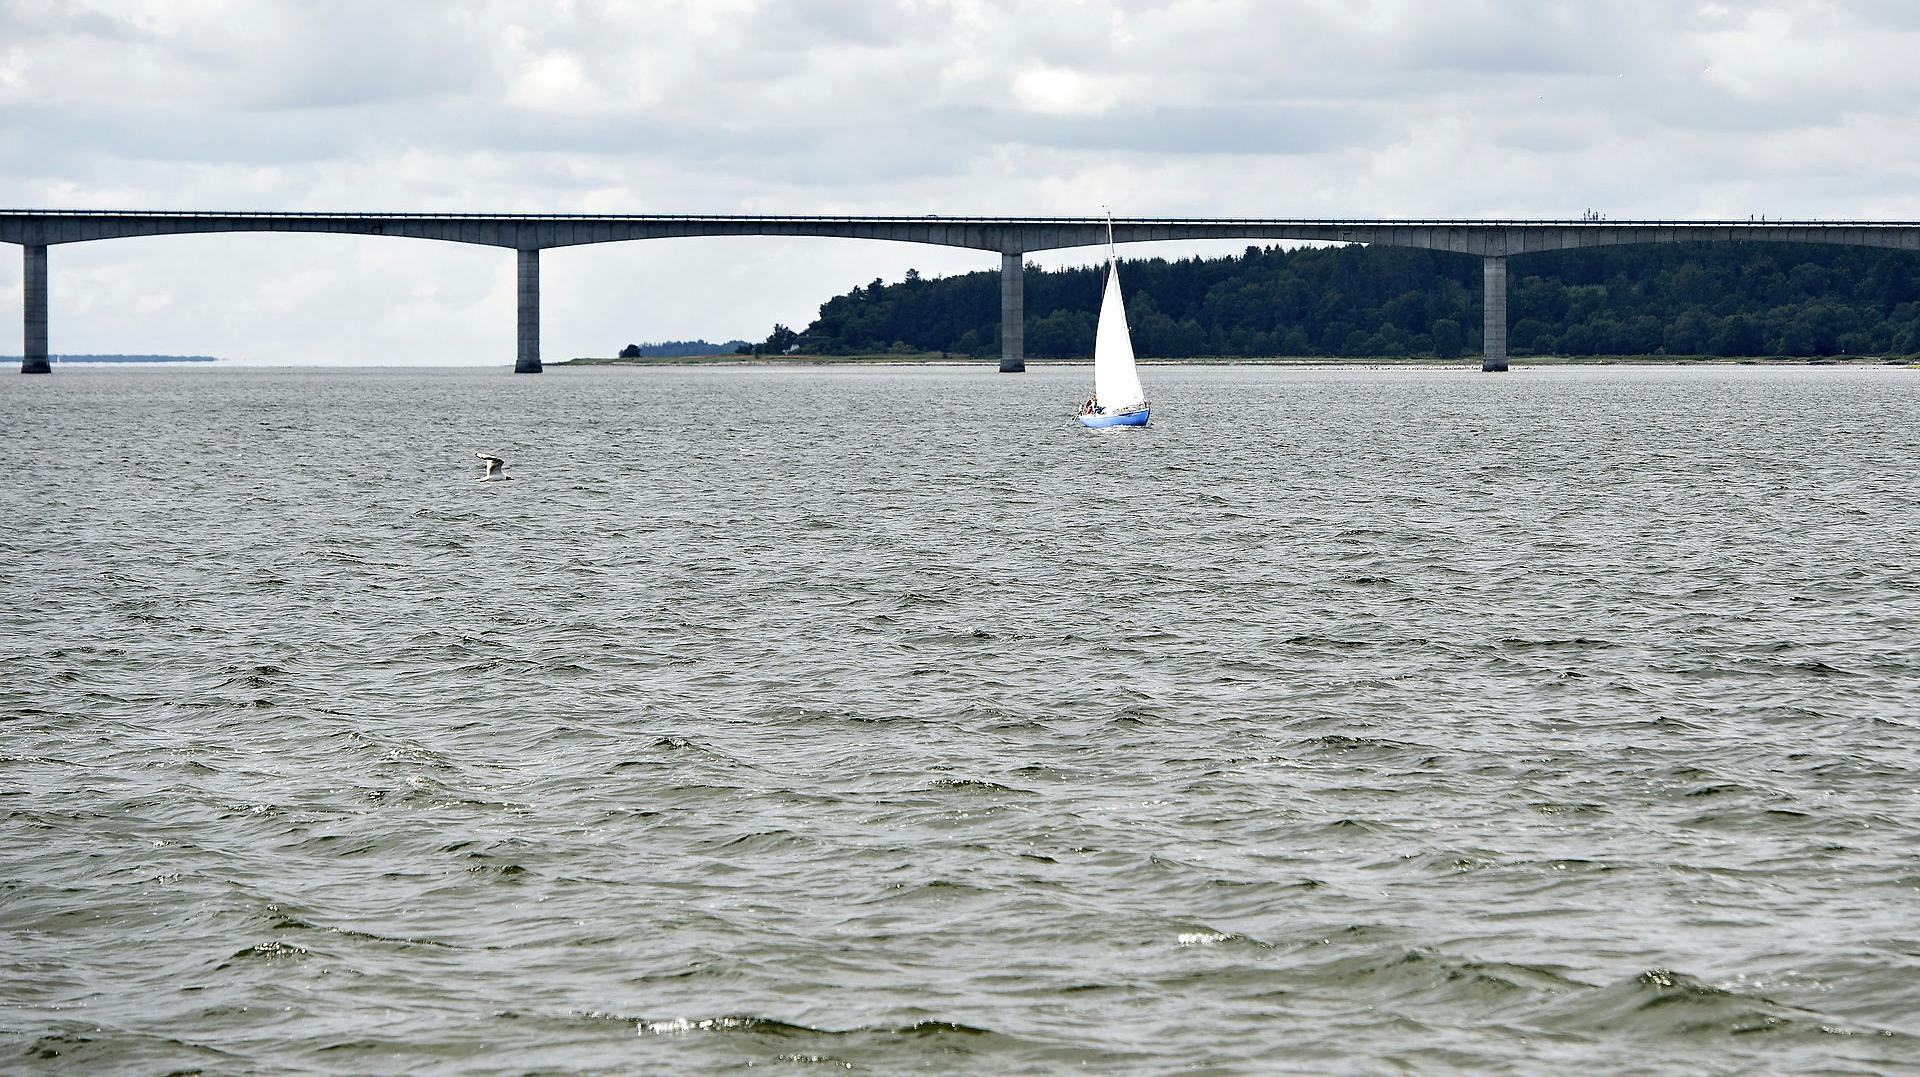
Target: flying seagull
(496, 468)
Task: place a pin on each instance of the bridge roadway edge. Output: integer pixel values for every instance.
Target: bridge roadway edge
(1011, 237)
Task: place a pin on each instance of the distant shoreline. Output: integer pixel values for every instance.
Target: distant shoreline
(935, 359)
(56, 360)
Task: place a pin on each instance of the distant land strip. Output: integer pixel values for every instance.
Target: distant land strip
(120, 359)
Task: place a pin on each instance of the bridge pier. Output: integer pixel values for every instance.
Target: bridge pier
(1013, 312)
(527, 360)
(1493, 315)
(33, 357)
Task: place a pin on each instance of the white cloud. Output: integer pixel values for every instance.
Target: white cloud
(552, 82)
(1066, 93)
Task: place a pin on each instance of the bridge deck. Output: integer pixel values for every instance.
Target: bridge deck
(1008, 235)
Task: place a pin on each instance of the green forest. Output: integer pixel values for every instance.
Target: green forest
(1722, 299)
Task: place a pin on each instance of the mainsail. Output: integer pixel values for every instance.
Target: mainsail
(1115, 381)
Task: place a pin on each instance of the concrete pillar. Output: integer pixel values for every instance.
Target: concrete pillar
(1493, 315)
(33, 358)
(527, 361)
(1013, 313)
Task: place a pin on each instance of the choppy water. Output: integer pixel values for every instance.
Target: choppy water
(1339, 721)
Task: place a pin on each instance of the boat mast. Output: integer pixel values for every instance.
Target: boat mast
(1111, 270)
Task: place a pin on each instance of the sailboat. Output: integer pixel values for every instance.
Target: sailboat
(1117, 399)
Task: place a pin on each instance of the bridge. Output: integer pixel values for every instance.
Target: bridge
(1493, 241)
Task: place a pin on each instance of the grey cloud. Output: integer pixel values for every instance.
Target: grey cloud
(26, 21)
(270, 56)
(1231, 129)
(1531, 39)
(786, 26)
(180, 136)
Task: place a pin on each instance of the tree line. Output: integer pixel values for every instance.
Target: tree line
(680, 348)
(1725, 299)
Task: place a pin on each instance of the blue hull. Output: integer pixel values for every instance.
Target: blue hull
(1132, 418)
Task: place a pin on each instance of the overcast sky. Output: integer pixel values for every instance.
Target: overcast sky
(1215, 107)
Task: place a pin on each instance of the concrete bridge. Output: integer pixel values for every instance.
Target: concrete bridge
(1493, 241)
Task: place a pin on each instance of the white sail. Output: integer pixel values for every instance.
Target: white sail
(1115, 381)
